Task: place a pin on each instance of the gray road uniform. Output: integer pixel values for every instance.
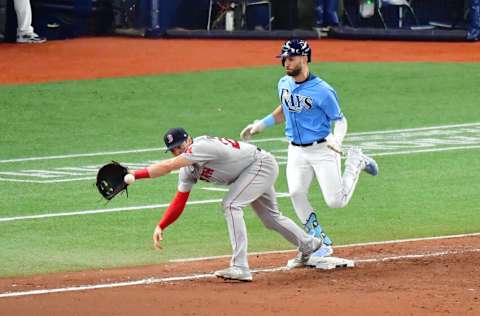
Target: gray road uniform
(250, 174)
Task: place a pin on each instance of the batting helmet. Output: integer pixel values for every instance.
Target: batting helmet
(295, 47)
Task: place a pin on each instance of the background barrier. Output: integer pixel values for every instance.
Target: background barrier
(59, 19)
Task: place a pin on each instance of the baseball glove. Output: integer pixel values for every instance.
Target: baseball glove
(110, 180)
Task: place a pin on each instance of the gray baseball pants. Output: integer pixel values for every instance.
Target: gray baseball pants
(255, 187)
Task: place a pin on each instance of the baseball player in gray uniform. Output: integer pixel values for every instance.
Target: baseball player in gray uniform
(250, 174)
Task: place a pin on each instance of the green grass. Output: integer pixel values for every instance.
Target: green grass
(428, 194)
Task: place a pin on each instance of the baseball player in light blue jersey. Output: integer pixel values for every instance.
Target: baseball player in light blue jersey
(315, 128)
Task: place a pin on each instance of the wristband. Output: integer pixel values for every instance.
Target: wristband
(141, 174)
(268, 120)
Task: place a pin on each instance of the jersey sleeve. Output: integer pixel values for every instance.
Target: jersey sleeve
(185, 180)
(280, 87)
(330, 106)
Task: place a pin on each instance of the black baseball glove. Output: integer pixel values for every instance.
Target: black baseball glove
(110, 180)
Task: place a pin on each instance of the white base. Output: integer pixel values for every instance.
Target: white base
(329, 263)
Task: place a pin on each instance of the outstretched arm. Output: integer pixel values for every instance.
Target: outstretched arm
(273, 118)
(162, 168)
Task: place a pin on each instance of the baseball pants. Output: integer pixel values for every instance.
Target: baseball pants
(24, 16)
(255, 186)
(320, 161)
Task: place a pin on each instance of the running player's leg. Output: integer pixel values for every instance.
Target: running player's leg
(299, 176)
(337, 189)
(299, 179)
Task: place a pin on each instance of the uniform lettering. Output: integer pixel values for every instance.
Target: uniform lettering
(229, 142)
(308, 103)
(295, 102)
(206, 174)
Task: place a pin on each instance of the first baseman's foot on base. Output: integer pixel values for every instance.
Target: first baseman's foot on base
(298, 262)
(301, 259)
(302, 256)
(234, 273)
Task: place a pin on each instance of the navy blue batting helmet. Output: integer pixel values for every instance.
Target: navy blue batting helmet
(295, 47)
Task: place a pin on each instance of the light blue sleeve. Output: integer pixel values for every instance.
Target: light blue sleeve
(331, 107)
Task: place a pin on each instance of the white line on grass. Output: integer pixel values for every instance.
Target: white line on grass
(108, 210)
(389, 153)
(253, 141)
(416, 151)
(215, 189)
(48, 181)
(105, 153)
(416, 129)
(209, 275)
(112, 210)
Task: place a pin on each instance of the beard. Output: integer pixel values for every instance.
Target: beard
(294, 72)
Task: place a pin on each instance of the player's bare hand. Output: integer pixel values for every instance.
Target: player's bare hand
(157, 237)
(333, 144)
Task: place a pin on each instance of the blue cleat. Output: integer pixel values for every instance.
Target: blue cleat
(367, 163)
(313, 228)
(371, 166)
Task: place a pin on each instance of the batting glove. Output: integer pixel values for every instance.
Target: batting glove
(252, 129)
(333, 143)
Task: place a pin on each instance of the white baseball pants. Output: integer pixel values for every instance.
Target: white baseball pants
(24, 16)
(319, 160)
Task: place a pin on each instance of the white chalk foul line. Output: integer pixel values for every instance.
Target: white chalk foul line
(148, 281)
(417, 256)
(108, 210)
(372, 243)
(105, 153)
(118, 209)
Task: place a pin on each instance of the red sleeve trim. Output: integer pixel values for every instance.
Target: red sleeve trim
(141, 174)
(174, 210)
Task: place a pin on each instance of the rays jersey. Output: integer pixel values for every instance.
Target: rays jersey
(309, 108)
(217, 159)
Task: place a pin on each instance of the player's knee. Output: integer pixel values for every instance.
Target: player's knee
(336, 203)
(229, 206)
